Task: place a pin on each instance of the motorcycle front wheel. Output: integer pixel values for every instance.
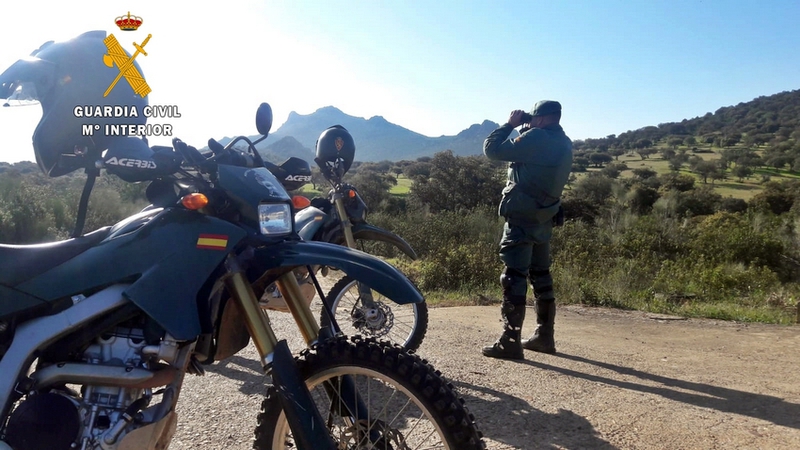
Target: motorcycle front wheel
(404, 325)
(409, 404)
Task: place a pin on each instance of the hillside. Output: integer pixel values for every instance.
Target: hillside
(286, 147)
(772, 121)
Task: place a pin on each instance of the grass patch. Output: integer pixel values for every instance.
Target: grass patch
(309, 191)
(402, 187)
(779, 173)
(440, 299)
(745, 191)
(738, 313)
(719, 311)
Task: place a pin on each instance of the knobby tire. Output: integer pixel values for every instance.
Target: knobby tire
(384, 374)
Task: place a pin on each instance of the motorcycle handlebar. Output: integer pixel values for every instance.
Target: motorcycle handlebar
(220, 154)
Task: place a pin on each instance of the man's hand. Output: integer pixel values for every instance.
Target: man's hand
(515, 119)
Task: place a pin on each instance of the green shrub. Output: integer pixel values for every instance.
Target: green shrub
(469, 265)
(709, 282)
(735, 238)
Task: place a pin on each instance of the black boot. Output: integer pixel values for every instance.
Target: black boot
(542, 339)
(508, 344)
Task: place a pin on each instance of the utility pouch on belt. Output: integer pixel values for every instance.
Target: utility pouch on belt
(558, 219)
(523, 208)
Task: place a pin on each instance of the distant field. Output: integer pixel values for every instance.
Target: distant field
(727, 188)
(731, 187)
(309, 191)
(402, 187)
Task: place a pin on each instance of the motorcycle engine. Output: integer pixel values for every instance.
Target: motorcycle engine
(96, 418)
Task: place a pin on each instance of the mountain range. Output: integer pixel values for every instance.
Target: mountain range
(376, 138)
(771, 119)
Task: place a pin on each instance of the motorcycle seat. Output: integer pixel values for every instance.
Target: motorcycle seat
(19, 263)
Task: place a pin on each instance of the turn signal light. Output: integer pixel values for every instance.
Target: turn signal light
(351, 193)
(300, 202)
(194, 201)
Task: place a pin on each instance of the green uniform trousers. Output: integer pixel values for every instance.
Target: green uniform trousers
(525, 251)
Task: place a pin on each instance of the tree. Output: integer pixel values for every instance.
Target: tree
(644, 173)
(572, 179)
(373, 186)
(694, 161)
(418, 169)
(719, 174)
(643, 143)
(690, 141)
(616, 152)
(677, 181)
(610, 171)
(642, 198)
(674, 142)
(742, 171)
(705, 169)
(667, 153)
(581, 162)
(645, 152)
(779, 161)
(593, 188)
(776, 197)
(702, 201)
(675, 164)
(317, 179)
(598, 159)
(730, 141)
(458, 182)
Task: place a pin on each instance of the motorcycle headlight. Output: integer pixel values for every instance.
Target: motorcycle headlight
(275, 218)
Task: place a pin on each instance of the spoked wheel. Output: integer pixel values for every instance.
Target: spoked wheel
(409, 405)
(404, 325)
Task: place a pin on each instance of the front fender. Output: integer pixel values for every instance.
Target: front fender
(372, 233)
(375, 273)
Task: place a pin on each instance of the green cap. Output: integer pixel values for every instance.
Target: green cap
(546, 107)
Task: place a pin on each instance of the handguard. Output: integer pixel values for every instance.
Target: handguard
(132, 160)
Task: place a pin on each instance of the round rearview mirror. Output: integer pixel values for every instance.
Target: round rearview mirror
(264, 118)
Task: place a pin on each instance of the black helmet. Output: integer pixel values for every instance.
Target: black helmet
(335, 151)
(67, 79)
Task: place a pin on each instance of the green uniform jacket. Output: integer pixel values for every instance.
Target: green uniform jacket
(541, 160)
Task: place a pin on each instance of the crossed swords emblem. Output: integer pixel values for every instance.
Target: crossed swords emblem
(116, 55)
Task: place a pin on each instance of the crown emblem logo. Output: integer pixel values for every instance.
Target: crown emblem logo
(129, 22)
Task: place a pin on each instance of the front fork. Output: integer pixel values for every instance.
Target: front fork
(364, 292)
(309, 429)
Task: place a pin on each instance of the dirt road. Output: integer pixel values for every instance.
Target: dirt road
(621, 380)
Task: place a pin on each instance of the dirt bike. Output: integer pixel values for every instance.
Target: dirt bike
(98, 332)
(341, 218)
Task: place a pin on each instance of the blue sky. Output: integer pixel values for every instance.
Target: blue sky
(434, 67)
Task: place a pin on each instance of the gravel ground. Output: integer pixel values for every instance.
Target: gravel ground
(621, 380)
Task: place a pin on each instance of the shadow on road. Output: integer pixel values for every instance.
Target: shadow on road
(764, 407)
(248, 371)
(520, 426)
(523, 427)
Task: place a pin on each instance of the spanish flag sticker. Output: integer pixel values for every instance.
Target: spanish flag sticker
(212, 241)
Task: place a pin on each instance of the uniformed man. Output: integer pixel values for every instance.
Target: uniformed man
(540, 162)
